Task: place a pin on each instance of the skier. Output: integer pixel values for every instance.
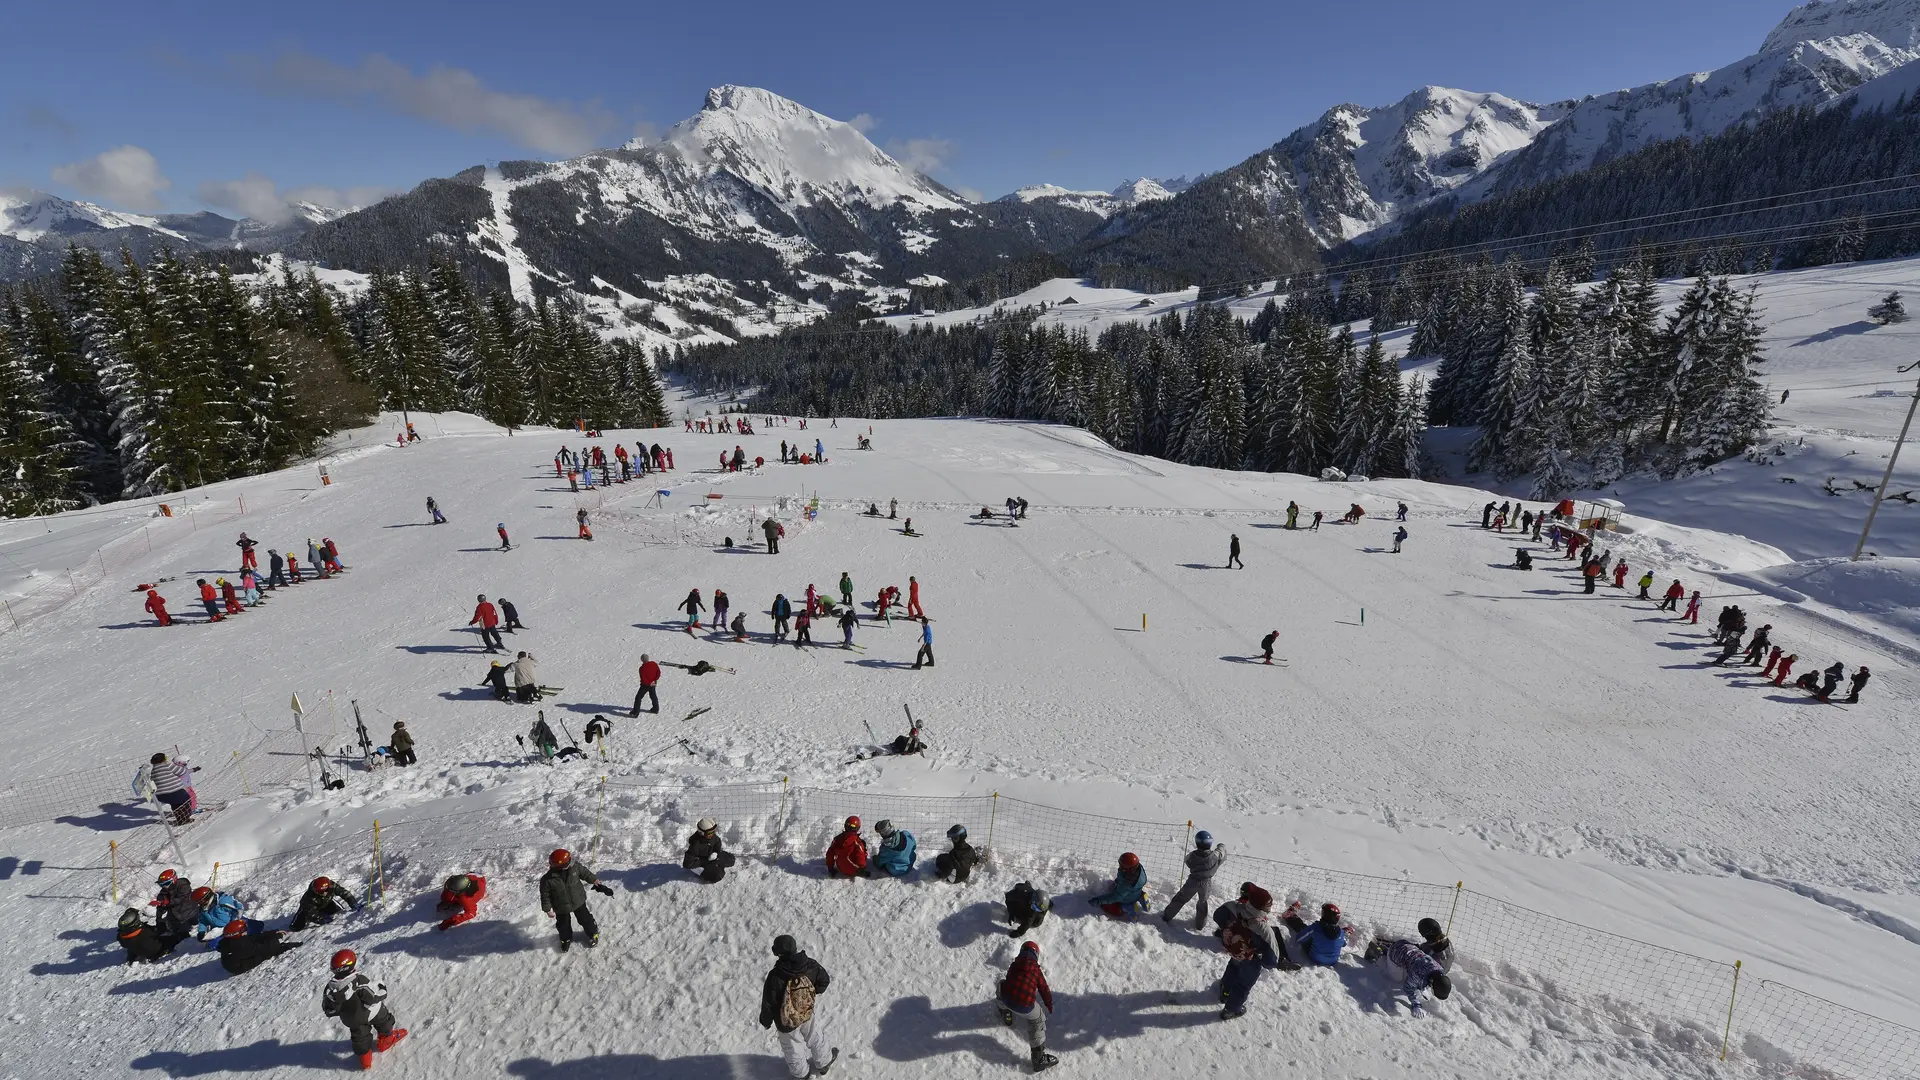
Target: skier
(526, 681)
(1400, 512)
(489, 620)
(500, 529)
(433, 509)
(1646, 583)
(781, 611)
(848, 620)
(330, 554)
(1266, 646)
(1320, 943)
(813, 600)
(1773, 661)
(847, 854)
(1674, 593)
(705, 854)
(580, 517)
(693, 606)
(1317, 515)
(926, 646)
(217, 909)
(275, 566)
(144, 943)
(1693, 609)
(1620, 574)
(543, 738)
(1758, 647)
(1857, 684)
(914, 610)
(460, 900)
(1830, 679)
(739, 627)
(1233, 552)
(1127, 894)
(510, 617)
(956, 863)
(1486, 516)
(315, 559)
(1202, 863)
(1590, 572)
(401, 743)
(1293, 515)
(293, 568)
(649, 686)
(361, 1004)
(1731, 645)
(803, 628)
(720, 605)
(210, 600)
(321, 903)
(895, 855)
(178, 912)
(1022, 993)
(497, 678)
(229, 599)
(156, 606)
(563, 895)
(1786, 665)
(771, 529)
(1399, 537)
(1027, 908)
(171, 781)
(790, 1005)
(846, 589)
(1250, 946)
(245, 945)
(250, 587)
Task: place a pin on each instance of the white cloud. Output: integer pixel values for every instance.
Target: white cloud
(450, 96)
(921, 155)
(970, 194)
(126, 176)
(258, 197)
(864, 122)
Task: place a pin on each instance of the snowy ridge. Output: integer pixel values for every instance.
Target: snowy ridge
(1895, 22)
(1104, 203)
(36, 215)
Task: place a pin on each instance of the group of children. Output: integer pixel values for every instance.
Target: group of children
(222, 598)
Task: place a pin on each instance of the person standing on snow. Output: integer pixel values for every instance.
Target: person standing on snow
(460, 900)
(782, 610)
(276, 567)
(720, 605)
(803, 628)
(846, 589)
(1022, 994)
(248, 559)
(771, 529)
(510, 617)
(433, 510)
(1233, 552)
(489, 620)
(1693, 609)
(1786, 665)
(156, 606)
(563, 895)
(1250, 946)
(229, 597)
(1857, 684)
(250, 587)
(1773, 661)
(848, 620)
(914, 610)
(693, 606)
(739, 626)
(361, 1004)
(1293, 515)
(210, 600)
(1590, 571)
(1400, 513)
(926, 646)
(580, 518)
(500, 529)
(790, 1005)
(1202, 863)
(1674, 594)
(1758, 648)
(1620, 574)
(1399, 537)
(1646, 583)
(649, 686)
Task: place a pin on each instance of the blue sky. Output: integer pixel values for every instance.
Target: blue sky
(238, 106)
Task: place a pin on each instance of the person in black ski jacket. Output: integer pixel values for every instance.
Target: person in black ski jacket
(179, 912)
(1857, 684)
(144, 944)
(321, 902)
(242, 948)
(1027, 908)
(360, 1003)
(790, 1005)
(956, 864)
(497, 678)
(563, 895)
(706, 855)
(510, 618)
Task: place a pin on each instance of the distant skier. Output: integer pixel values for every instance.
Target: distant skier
(1233, 552)
(846, 589)
(1317, 515)
(506, 544)
(460, 900)
(1830, 679)
(1127, 893)
(1758, 647)
(847, 854)
(1857, 684)
(914, 610)
(1646, 584)
(156, 606)
(1022, 995)
(1730, 645)
(1674, 594)
(1400, 513)
(563, 895)
(360, 1003)
(782, 611)
(1027, 908)
(433, 510)
(848, 620)
(276, 578)
(580, 518)
(896, 853)
(1202, 863)
(790, 1005)
(1293, 515)
(509, 616)
(1399, 537)
(771, 529)
(957, 862)
(706, 855)
(1773, 661)
(1786, 665)
(893, 509)
(720, 605)
(926, 646)
(489, 622)
(693, 606)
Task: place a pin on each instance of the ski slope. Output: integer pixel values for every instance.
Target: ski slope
(1476, 724)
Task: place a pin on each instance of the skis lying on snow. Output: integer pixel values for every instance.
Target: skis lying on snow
(696, 712)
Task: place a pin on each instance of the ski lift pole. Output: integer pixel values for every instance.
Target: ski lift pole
(1887, 477)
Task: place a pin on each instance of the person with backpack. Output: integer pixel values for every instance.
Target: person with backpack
(563, 896)
(1250, 946)
(1127, 894)
(1023, 993)
(956, 864)
(896, 853)
(705, 854)
(1027, 908)
(847, 854)
(1202, 863)
(361, 1004)
(460, 900)
(790, 1005)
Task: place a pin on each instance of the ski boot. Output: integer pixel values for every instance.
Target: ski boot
(821, 1070)
(384, 1043)
(1042, 1060)
(565, 945)
(593, 941)
(1006, 1014)
(1232, 1014)
(366, 1061)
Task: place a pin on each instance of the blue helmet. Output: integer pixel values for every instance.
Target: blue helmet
(1203, 838)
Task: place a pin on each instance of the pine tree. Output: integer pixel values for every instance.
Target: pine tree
(1509, 394)
(37, 448)
(1889, 310)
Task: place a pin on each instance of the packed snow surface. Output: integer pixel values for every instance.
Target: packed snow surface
(1440, 718)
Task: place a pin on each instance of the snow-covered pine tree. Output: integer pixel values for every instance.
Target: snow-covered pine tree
(1006, 372)
(1408, 442)
(37, 448)
(47, 340)
(1213, 422)
(1509, 394)
(1890, 309)
(1725, 405)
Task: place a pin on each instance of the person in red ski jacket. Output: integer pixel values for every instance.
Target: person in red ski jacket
(1620, 574)
(210, 600)
(1693, 608)
(1786, 665)
(229, 598)
(157, 607)
(847, 855)
(461, 898)
(489, 620)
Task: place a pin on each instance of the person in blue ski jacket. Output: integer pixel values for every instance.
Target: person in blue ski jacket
(1128, 893)
(217, 909)
(895, 855)
(1322, 942)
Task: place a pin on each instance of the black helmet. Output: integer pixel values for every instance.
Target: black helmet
(958, 832)
(784, 945)
(1430, 929)
(129, 919)
(1441, 986)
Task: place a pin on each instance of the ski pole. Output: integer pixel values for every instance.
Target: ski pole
(870, 735)
(570, 738)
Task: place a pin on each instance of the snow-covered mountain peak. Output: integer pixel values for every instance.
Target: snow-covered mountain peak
(1143, 189)
(31, 215)
(1894, 22)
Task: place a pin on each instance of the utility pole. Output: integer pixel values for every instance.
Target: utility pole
(1881, 492)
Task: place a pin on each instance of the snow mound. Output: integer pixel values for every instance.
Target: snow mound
(1884, 590)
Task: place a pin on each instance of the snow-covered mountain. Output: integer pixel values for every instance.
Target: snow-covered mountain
(1102, 203)
(35, 227)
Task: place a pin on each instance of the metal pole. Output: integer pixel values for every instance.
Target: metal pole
(1885, 479)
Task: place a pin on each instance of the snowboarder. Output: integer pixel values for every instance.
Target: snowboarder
(790, 1005)
(847, 854)
(1250, 946)
(489, 620)
(245, 945)
(171, 782)
(956, 863)
(914, 610)
(771, 529)
(705, 854)
(1233, 552)
(144, 943)
(433, 510)
(500, 529)
(210, 600)
(803, 629)
(361, 1004)
(895, 855)
(580, 517)
(321, 902)
(1022, 994)
(460, 900)
(156, 606)
(926, 646)
(1399, 537)
(1127, 894)
(1674, 593)
(496, 677)
(782, 610)
(649, 686)
(247, 558)
(401, 743)
(693, 606)
(1266, 646)
(1320, 943)
(1202, 863)
(563, 895)
(526, 680)
(1413, 971)
(1857, 684)
(1027, 908)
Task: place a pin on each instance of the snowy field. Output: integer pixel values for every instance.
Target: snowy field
(1476, 724)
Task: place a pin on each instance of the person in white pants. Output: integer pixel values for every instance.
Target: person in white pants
(789, 1004)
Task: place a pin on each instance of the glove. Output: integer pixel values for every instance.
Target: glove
(603, 890)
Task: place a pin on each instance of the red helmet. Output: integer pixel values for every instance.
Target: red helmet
(343, 963)
(202, 894)
(1329, 912)
(1129, 861)
(322, 884)
(166, 877)
(560, 857)
(853, 823)
(236, 928)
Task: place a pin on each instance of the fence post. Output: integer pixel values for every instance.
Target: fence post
(993, 817)
(241, 766)
(71, 583)
(1727, 1035)
(594, 848)
(1189, 832)
(780, 821)
(1457, 886)
(376, 887)
(113, 862)
(213, 879)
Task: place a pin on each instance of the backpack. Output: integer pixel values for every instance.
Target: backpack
(797, 1009)
(1237, 938)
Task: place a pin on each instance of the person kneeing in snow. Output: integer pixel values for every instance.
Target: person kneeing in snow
(956, 865)
(361, 1004)
(1127, 895)
(460, 899)
(1027, 908)
(706, 855)
(847, 854)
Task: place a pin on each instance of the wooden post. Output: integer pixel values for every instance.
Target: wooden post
(993, 818)
(1727, 1035)
(113, 861)
(1457, 886)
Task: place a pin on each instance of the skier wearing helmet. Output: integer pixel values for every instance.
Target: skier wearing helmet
(322, 901)
(896, 852)
(1022, 995)
(144, 944)
(1128, 893)
(1320, 943)
(706, 855)
(563, 895)
(178, 913)
(1412, 970)
(956, 865)
(361, 1004)
(460, 899)
(245, 946)
(847, 855)
(1250, 946)
(1202, 863)
(217, 910)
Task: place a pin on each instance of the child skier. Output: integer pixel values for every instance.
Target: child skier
(563, 895)
(501, 529)
(580, 516)
(693, 606)
(1202, 863)
(1022, 994)
(361, 1004)
(1128, 892)
(460, 899)
(1266, 646)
